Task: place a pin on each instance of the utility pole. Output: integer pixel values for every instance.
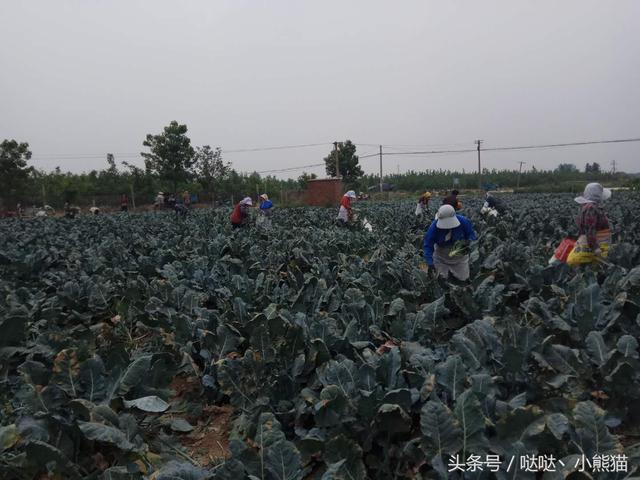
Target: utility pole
(335, 149)
(479, 142)
(380, 168)
(133, 197)
(613, 167)
(520, 172)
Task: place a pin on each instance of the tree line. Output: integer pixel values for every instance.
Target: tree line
(173, 164)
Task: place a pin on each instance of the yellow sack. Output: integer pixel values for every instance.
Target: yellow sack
(582, 253)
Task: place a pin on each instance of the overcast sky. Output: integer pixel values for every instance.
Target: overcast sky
(83, 78)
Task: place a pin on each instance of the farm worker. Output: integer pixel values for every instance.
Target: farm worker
(180, 209)
(69, 211)
(95, 210)
(594, 236)
(240, 213)
(124, 202)
(45, 211)
(345, 213)
(452, 199)
(266, 205)
(186, 199)
(423, 204)
(265, 211)
(449, 230)
(493, 203)
(159, 201)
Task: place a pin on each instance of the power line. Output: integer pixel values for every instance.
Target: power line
(74, 156)
(281, 147)
(82, 156)
(554, 145)
(431, 152)
(523, 147)
(61, 156)
(290, 169)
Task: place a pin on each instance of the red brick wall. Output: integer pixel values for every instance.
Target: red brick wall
(324, 192)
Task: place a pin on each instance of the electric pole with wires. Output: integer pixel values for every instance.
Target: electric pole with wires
(380, 168)
(519, 173)
(335, 149)
(479, 142)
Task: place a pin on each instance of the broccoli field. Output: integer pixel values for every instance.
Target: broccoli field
(147, 346)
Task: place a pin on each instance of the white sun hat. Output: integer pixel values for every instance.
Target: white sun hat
(594, 193)
(350, 194)
(447, 218)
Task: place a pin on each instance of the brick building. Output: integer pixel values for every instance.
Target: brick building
(324, 192)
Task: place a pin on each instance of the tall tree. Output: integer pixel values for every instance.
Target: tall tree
(349, 164)
(595, 167)
(210, 167)
(13, 167)
(171, 155)
(588, 168)
(566, 168)
(305, 177)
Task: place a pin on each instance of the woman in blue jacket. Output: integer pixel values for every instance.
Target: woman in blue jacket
(266, 208)
(440, 239)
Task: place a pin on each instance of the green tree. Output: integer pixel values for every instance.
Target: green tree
(171, 155)
(13, 167)
(349, 164)
(595, 167)
(211, 169)
(566, 168)
(305, 177)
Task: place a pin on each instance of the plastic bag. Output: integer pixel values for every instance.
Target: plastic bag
(564, 249)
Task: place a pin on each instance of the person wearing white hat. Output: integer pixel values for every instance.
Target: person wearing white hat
(441, 243)
(159, 202)
(266, 205)
(264, 212)
(240, 212)
(345, 213)
(594, 235)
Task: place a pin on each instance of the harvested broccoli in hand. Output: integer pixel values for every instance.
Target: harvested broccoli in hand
(460, 248)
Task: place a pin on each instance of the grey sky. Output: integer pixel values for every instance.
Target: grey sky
(86, 77)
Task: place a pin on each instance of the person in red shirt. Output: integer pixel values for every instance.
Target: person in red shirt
(240, 213)
(345, 213)
(124, 203)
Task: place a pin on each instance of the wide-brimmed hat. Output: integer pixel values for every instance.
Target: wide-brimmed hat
(350, 194)
(594, 193)
(264, 196)
(246, 201)
(160, 193)
(447, 218)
